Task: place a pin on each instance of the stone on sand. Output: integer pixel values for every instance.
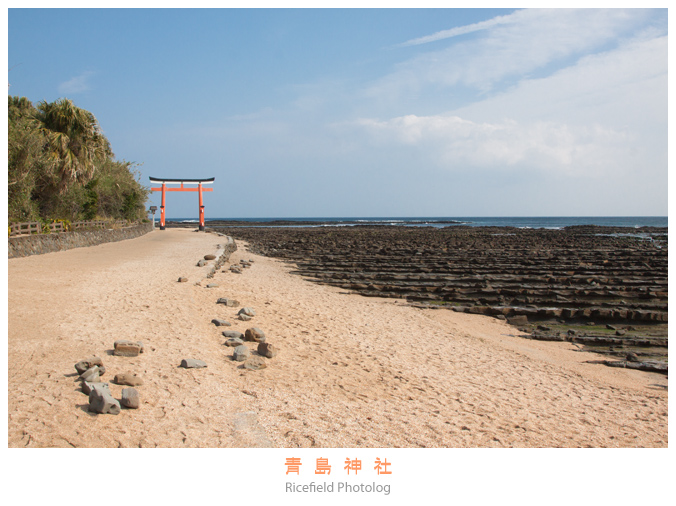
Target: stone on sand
(241, 353)
(267, 350)
(102, 402)
(87, 387)
(88, 363)
(130, 398)
(254, 334)
(227, 302)
(255, 363)
(127, 350)
(192, 363)
(123, 344)
(91, 375)
(233, 342)
(127, 378)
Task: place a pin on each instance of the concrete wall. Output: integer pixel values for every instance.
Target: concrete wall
(38, 244)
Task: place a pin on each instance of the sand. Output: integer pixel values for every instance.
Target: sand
(351, 371)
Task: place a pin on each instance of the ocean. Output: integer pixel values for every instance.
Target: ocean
(552, 222)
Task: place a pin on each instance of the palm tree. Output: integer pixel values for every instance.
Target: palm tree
(75, 140)
(19, 105)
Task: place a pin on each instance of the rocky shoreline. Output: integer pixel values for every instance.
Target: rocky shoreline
(603, 287)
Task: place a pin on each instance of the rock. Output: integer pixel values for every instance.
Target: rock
(127, 378)
(220, 323)
(191, 363)
(182, 280)
(241, 353)
(244, 317)
(254, 334)
(551, 313)
(120, 342)
(91, 375)
(568, 313)
(227, 302)
(620, 332)
(610, 327)
(87, 387)
(518, 320)
(210, 257)
(130, 398)
(88, 363)
(201, 263)
(82, 366)
(235, 269)
(255, 363)
(248, 311)
(212, 285)
(267, 350)
(102, 402)
(127, 350)
(233, 334)
(632, 357)
(233, 342)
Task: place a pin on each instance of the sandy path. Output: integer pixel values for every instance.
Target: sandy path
(67, 306)
(352, 371)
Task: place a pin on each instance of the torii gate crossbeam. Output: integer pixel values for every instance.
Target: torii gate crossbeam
(164, 189)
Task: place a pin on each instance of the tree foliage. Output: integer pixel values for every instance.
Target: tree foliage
(61, 166)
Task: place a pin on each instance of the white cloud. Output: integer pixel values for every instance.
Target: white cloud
(621, 86)
(521, 43)
(460, 30)
(605, 114)
(508, 146)
(77, 84)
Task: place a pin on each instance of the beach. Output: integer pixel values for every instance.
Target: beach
(351, 371)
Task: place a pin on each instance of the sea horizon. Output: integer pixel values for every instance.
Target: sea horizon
(545, 222)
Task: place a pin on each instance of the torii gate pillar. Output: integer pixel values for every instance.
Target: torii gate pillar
(182, 182)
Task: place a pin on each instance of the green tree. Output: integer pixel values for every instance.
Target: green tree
(60, 166)
(120, 194)
(75, 140)
(28, 164)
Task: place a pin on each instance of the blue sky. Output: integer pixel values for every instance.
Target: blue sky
(369, 112)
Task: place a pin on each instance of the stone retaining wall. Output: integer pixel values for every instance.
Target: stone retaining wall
(39, 244)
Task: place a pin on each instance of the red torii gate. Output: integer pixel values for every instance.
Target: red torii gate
(163, 189)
